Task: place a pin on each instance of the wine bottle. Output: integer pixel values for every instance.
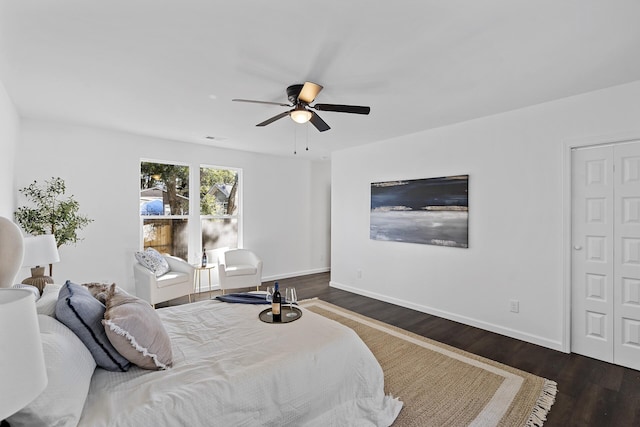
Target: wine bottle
(275, 304)
(204, 257)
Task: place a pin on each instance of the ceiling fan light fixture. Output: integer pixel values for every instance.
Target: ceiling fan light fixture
(301, 115)
(300, 97)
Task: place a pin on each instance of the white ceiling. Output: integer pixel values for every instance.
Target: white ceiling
(169, 68)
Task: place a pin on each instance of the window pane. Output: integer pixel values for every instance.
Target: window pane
(164, 189)
(167, 236)
(218, 191)
(219, 233)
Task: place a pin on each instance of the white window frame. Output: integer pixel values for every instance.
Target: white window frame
(194, 218)
(239, 213)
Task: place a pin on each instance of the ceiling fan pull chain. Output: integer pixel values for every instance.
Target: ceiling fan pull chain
(307, 130)
(295, 151)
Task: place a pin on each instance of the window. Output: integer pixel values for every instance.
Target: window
(164, 207)
(219, 213)
(172, 223)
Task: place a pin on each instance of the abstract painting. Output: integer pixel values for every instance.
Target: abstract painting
(431, 211)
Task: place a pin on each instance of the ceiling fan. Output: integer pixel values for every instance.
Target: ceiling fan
(300, 97)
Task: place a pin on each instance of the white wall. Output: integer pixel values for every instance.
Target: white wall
(320, 202)
(9, 132)
(515, 163)
(101, 169)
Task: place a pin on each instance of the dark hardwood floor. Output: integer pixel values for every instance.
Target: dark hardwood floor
(590, 392)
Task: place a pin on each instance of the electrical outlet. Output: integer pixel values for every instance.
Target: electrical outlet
(359, 274)
(514, 306)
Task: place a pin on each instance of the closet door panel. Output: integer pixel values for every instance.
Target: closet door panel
(627, 255)
(592, 321)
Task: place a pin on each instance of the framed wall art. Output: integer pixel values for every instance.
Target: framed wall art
(431, 211)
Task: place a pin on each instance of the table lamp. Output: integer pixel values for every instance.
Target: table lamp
(39, 251)
(23, 375)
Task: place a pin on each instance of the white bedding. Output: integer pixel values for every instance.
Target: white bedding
(231, 369)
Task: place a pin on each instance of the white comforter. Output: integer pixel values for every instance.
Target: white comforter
(231, 369)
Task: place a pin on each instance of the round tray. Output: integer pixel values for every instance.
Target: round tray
(267, 317)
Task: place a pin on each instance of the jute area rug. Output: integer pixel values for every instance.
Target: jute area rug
(444, 386)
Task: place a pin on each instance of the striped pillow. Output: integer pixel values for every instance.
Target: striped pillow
(82, 313)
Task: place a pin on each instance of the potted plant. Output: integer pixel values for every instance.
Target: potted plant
(51, 213)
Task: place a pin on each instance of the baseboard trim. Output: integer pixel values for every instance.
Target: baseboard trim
(522, 336)
(295, 274)
(216, 286)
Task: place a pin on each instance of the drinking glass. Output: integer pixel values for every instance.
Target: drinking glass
(291, 297)
(269, 296)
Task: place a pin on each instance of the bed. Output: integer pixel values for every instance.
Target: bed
(229, 369)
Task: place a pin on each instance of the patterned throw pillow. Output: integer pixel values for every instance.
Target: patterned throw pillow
(154, 261)
(100, 290)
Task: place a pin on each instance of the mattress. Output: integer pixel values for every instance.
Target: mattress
(231, 369)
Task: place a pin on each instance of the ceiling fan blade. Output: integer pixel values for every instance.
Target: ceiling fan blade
(320, 124)
(355, 109)
(263, 102)
(274, 118)
(309, 92)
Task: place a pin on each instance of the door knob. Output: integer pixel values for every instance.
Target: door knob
(577, 247)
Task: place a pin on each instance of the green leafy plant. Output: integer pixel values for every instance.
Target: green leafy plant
(51, 213)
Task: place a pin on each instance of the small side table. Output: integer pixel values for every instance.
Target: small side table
(198, 276)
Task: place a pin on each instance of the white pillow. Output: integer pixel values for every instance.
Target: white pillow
(35, 291)
(47, 302)
(154, 261)
(70, 367)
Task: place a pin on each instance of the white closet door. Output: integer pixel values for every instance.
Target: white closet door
(605, 269)
(627, 255)
(592, 254)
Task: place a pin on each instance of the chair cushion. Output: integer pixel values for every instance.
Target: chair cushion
(172, 278)
(240, 270)
(82, 313)
(153, 260)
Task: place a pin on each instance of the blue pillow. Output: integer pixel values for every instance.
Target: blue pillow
(82, 313)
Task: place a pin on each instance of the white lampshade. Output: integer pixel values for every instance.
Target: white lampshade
(11, 252)
(300, 115)
(40, 250)
(23, 375)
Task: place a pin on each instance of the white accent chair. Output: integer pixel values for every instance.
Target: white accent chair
(176, 283)
(239, 268)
